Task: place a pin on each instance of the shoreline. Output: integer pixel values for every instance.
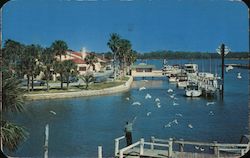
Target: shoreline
(83, 93)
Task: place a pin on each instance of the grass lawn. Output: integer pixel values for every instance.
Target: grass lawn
(92, 86)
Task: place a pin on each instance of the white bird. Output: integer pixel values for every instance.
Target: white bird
(190, 126)
(158, 105)
(239, 76)
(127, 98)
(211, 113)
(145, 80)
(136, 103)
(148, 96)
(170, 90)
(174, 104)
(52, 112)
(197, 148)
(168, 125)
(175, 121)
(157, 100)
(210, 103)
(202, 149)
(149, 113)
(179, 115)
(142, 88)
(171, 96)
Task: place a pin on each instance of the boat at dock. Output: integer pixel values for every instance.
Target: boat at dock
(193, 89)
(182, 79)
(191, 69)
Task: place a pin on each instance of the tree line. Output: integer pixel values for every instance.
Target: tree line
(189, 55)
(31, 60)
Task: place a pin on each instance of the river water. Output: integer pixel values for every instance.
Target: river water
(81, 124)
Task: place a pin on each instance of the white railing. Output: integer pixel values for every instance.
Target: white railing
(117, 144)
(239, 149)
(217, 147)
(168, 144)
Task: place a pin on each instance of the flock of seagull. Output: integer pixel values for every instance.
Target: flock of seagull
(175, 103)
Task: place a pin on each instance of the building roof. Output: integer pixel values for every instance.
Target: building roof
(77, 54)
(78, 61)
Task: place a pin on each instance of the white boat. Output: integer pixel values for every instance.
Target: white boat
(193, 90)
(172, 78)
(229, 67)
(191, 68)
(182, 79)
(167, 70)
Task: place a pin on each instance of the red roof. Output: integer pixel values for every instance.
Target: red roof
(77, 53)
(78, 61)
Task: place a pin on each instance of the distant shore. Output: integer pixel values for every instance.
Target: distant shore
(84, 93)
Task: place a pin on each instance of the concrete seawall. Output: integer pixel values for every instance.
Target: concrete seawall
(122, 88)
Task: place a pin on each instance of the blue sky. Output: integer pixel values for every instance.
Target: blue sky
(150, 25)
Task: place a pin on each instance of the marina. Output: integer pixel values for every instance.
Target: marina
(161, 108)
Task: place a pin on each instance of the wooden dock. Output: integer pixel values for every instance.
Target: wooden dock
(161, 148)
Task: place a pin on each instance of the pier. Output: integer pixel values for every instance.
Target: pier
(170, 148)
(153, 73)
(243, 66)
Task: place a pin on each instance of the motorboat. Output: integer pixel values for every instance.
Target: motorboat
(182, 79)
(193, 90)
(191, 68)
(172, 78)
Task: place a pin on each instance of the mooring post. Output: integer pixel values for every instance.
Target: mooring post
(99, 151)
(141, 146)
(46, 144)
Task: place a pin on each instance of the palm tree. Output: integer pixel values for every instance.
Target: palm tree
(59, 68)
(114, 45)
(59, 47)
(87, 78)
(70, 69)
(131, 59)
(91, 59)
(123, 54)
(12, 135)
(29, 63)
(47, 59)
(11, 54)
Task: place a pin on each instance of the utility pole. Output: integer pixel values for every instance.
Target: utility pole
(223, 51)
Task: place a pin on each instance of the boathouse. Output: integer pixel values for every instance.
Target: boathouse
(142, 69)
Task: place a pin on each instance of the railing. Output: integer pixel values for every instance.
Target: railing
(217, 148)
(117, 144)
(142, 145)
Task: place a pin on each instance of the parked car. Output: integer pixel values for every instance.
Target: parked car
(71, 79)
(24, 82)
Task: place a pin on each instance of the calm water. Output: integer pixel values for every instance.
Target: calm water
(81, 124)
